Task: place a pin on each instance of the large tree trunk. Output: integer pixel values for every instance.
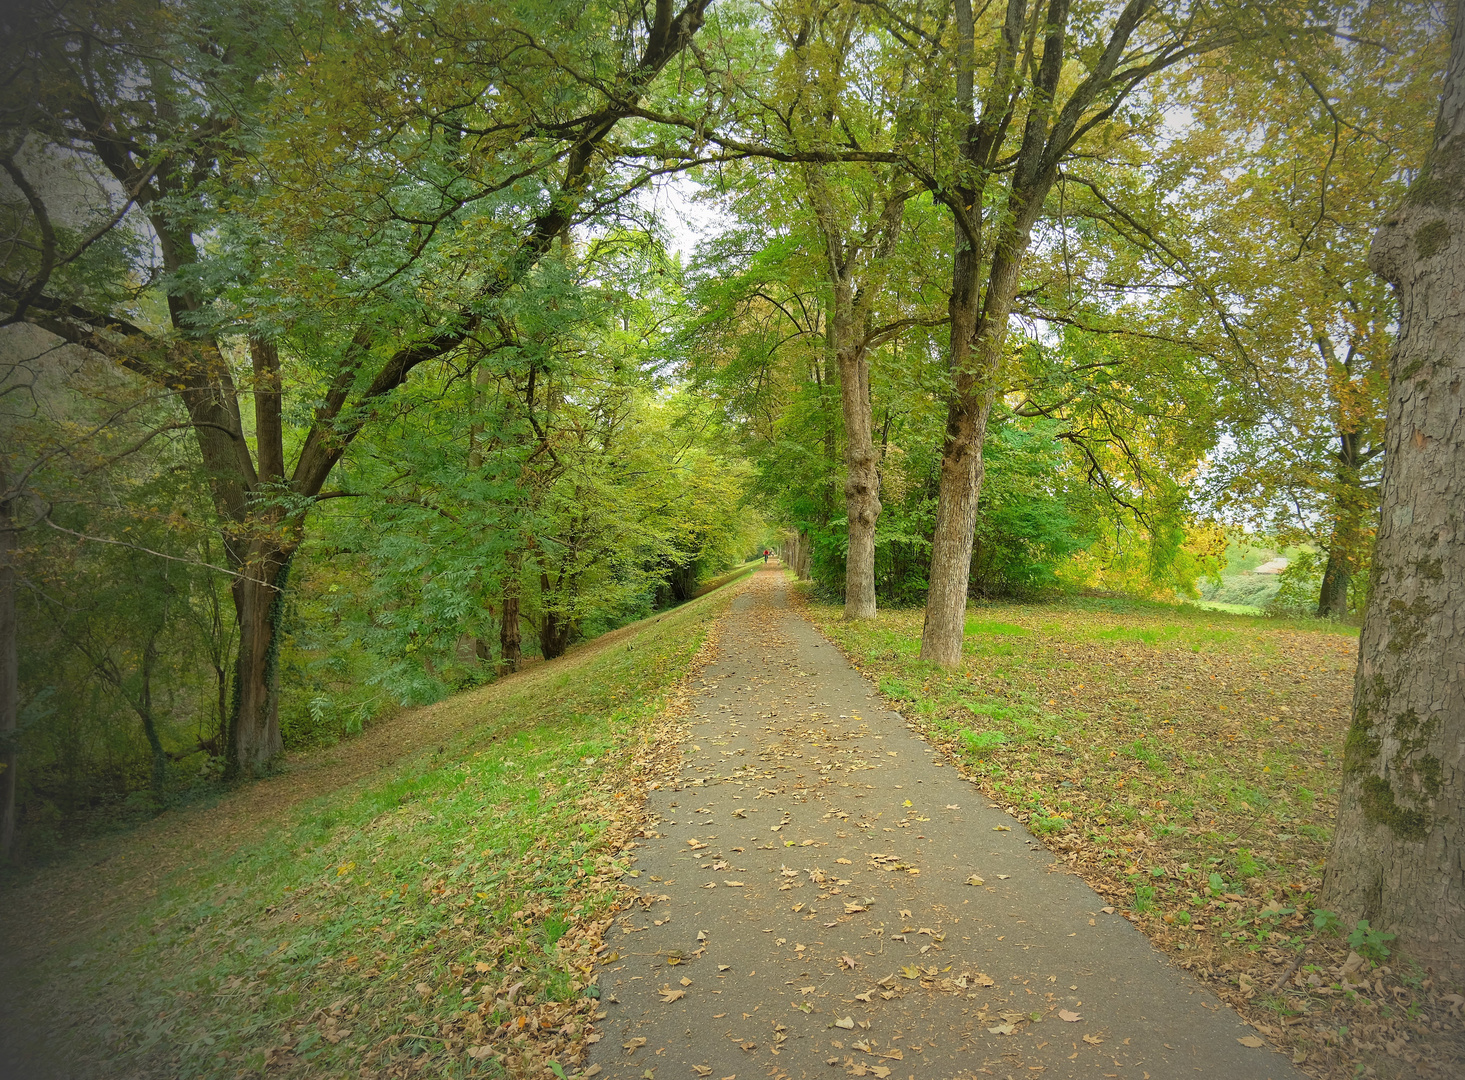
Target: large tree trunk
(861, 481)
(9, 673)
(259, 606)
(961, 475)
(1397, 852)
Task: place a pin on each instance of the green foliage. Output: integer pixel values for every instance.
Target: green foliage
(1297, 586)
(1368, 942)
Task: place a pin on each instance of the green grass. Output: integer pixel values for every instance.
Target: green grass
(1142, 738)
(402, 909)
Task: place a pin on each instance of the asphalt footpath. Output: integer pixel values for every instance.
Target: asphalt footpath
(824, 895)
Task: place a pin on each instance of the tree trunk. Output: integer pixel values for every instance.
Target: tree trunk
(861, 480)
(9, 674)
(510, 648)
(259, 605)
(1396, 857)
(1345, 544)
(554, 628)
(961, 474)
(1332, 600)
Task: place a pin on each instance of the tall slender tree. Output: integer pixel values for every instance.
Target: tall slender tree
(1011, 136)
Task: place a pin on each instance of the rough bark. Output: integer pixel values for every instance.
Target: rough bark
(9, 674)
(1398, 855)
(861, 483)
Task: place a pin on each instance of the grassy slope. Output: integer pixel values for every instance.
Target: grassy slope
(436, 919)
(1184, 762)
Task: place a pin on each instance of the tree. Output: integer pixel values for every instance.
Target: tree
(1395, 859)
(201, 108)
(1006, 160)
(1290, 167)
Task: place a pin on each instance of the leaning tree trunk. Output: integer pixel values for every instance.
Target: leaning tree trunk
(259, 606)
(1397, 852)
(9, 674)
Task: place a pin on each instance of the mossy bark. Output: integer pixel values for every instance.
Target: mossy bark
(1398, 856)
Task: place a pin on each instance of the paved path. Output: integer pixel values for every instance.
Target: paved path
(807, 912)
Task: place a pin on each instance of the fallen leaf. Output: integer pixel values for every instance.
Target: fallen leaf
(1107, 910)
(669, 995)
(952, 806)
(1003, 877)
(983, 980)
(594, 1070)
(736, 813)
(724, 967)
(424, 989)
(866, 996)
(848, 1023)
(1071, 1017)
(911, 972)
(702, 1070)
(1251, 1041)
(807, 989)
(853, 906)
(974, 880)
(843, 862)
(906, 803)
(894, 1055)
(1092, 1040)
(733, 884)
(847, 962)
(1001, 828)
(478, 1053)
(881, 1071)
(481, 967)
(686, 981)
(1002, 1029)
(798, 907)
(748, 1047)
(632, 1045)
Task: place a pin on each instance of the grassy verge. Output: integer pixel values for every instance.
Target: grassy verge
(439, 919)
(1186, 763)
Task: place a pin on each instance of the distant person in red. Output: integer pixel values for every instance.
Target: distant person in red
(766, 553)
